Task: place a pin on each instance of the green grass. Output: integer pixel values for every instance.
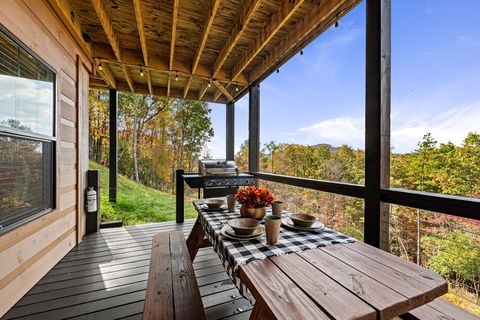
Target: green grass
(136, 203)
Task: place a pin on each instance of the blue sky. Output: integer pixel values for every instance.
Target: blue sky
(319, 97)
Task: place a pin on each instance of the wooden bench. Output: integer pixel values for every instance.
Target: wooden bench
(439, 309)
(172, 289)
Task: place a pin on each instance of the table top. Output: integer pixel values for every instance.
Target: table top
(341, 281)
(234, 253)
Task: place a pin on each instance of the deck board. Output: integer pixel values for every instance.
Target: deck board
(105, 278)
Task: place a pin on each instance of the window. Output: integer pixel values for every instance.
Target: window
(27, 135)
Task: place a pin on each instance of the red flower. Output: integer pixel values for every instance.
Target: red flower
(253, 197)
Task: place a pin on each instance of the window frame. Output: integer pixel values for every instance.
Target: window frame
(27, 217)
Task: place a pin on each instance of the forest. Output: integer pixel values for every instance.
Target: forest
(158, 135)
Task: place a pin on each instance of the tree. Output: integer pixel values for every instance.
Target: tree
(98, 125)
(271, 147)
(190, 131)
(137, 111)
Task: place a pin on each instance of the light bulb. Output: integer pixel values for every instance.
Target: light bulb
(336, 24)
(141, 72)
(236, 88)
(176, 77)
(100, 66)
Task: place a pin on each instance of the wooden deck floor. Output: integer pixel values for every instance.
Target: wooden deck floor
(105, 278)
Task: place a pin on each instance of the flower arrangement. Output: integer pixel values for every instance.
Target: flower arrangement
(253, 197)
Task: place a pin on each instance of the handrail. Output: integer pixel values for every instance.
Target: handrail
(346, 189)
(435, 202)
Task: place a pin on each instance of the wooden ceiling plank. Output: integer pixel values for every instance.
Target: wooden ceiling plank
(128, 78)
(72, 24)
(224, 91)
(187, 87)
(203, 90)
(107, 25)
(149, 81)
(205, 31)
(323, 15)
(137, 4)
(275, 23)
(174, 32)
(235, 35)
(217, 95)
(106, 74)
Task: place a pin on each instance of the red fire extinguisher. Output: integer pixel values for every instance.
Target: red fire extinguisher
(91, 200)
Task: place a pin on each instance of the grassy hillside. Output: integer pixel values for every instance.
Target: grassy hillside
(136, 203)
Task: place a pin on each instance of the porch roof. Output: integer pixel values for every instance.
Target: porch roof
(209, 50)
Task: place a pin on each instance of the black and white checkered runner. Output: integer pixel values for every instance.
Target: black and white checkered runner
(235, 253)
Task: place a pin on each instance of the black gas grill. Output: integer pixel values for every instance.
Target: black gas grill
(215, 178)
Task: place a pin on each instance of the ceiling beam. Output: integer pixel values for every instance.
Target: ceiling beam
(224, 91)
(128, 78)
(275, 23)
(235, 35)
(323, 15)
(187, 87)
(205, 32)
(72, 24)
(160, 64)
(106, 74)
(137, 5)
(149, 82)
(160, 91)
(174, 32)
(203, 90)
(107, 25)
(217, 95)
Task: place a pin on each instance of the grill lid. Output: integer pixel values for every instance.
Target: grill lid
(217, 167)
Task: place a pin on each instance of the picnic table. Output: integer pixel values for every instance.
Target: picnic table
(316, 275)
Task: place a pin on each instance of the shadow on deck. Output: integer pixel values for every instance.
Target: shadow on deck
(105, 277)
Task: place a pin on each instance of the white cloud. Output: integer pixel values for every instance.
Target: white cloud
(408, 128)
(450, 125)
(335, 131)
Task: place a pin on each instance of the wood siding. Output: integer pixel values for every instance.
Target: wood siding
(30, 251)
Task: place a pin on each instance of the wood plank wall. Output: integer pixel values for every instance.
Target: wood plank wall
(30, 251)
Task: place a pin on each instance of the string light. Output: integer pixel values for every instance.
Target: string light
(278, 70)
(176, 76)
(301, 52)
(100, 66)
(141, 72)
(236, 88)
(210, 83)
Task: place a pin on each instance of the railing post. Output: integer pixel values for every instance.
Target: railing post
(230, 131)
(377, 98)
(113, 160)
(254, 129)
(385, 121)
(179, 195)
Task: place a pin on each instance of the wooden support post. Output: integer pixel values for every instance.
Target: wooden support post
(230, 131)
(180, 198)
(377, 103)
(112, 189)
(254, 129)
(385, 121)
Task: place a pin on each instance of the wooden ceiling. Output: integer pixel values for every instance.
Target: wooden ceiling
(208, 50)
